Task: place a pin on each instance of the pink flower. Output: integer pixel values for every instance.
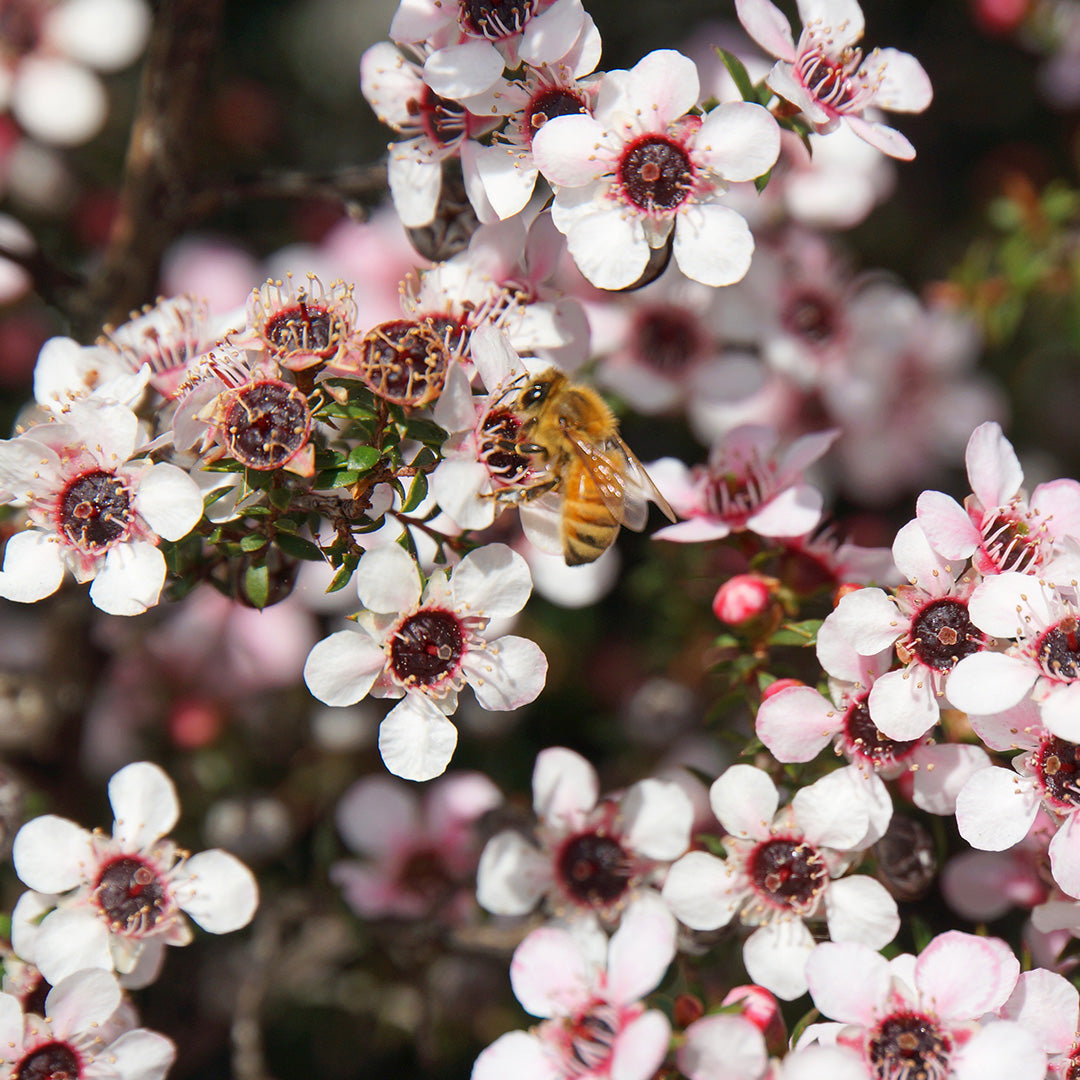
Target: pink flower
(418, 856)
(780, 869)
(923, 1015)
(826, 76)
(595, 1025)
(642, 166)
(116, 902)
(747, 484)
(743, 597)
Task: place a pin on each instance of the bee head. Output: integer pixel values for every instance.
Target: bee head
(534, 393)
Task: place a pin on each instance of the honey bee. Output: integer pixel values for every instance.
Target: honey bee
(571, 432)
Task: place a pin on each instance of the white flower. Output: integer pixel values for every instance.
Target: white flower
(424, 644)
(92, 509)
(642, 165)
(115, 902)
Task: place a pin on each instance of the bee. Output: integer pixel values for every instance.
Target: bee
(571, 432)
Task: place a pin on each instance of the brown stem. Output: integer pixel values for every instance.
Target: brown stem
(161, 159)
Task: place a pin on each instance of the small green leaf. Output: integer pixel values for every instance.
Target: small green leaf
(298, 548)
(364, 458)
(257, 585)
(762, 181)
(417, 490)
(252, 542)
(342, 577)
(280, 497)
(739, 73)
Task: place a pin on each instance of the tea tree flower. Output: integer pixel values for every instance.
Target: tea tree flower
(826, 76)
(423, 643)
(115, 902)
(642, 166)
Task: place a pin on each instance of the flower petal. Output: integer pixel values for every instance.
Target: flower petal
(220, 894)
(415, 739)
(341, 669)
(52, 854)
(713, 244)
(144, 803)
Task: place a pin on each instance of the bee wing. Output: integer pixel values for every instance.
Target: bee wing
(621, 480)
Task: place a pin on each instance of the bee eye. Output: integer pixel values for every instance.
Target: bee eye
(535, 393)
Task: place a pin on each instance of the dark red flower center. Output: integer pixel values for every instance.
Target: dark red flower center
(667, 339)
(864, 741)
(95, 511)
(788, 872)
(1058, 650)
(304, 328)
(405, 361)
(495, 19)
(551, 102)
(595, 869)
(426, 876)
(908, 1046)
(829, 80)
(427, 647)
(442, 121)
(266, 424)
(1057, 765)
(131, 895)
(498, 437)
(942, 634)
(53, 1061)
(1008, 543)
(812, 317)
(655, 174)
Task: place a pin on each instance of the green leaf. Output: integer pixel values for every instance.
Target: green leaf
(257, 585)
(342, 577)
(417, 490)
(364, 458)
(739, 73)
(762, 181)
(298, 548)
(280, 497)
(252, 542)
(797, 633)
(426, 432)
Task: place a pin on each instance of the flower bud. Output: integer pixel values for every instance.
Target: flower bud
(778, 685)
(762, 1010)
(743, 597)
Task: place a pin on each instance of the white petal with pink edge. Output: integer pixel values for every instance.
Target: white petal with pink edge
(416, 740)
(739, 140)
(966, 975)
(549, 36)
(782, 82)
(843, 810)
(775, 957)
(508, 673)
(768, 26)
(658, 816)
(795, 511)
(565, 787)
(376, 814)
(869, 619)
(660, 88)
(703, 891)
(519, 1054)
(843, 17)
(796, 723)
(341, 669)
(11, 1020)
(387, 580)
(744, 799)
(818, 1062)
(415, 180)
(1007, 604)
(946, 524)
(713, 244)
(1001, 1051)
(508, 179)
(220, 892)
(641, 950)
(512, 875)
(940, 773)
(1061, 712)
(919, 562)
(130, 580)
(1065, 856)
(722, 1047)
(1046, 1004)
(995, 809)
(142, 1055)
(52, 854)
(641, 1046)
(459, 71)
(169, 500)
(33, 567)
(416, 20)
(993, 468)
(550, 973)
(144, 804)
(493, 580)
(882, 137)
(848, 981)
(859, 909)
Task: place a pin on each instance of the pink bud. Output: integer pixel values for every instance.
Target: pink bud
(761, 1009)
(780, 684)
(1000, 16)
(741, 598)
